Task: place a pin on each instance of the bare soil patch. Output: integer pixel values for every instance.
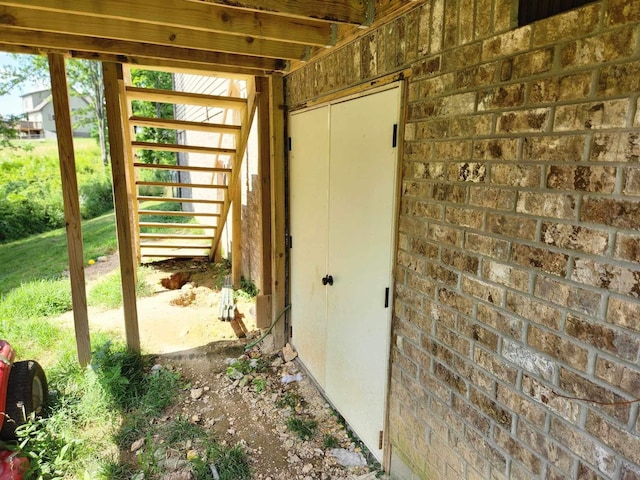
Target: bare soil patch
(181, 328)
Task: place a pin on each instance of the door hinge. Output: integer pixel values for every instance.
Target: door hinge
(395, 135)
(288, 241)
(290, 331)
(289, 146)
(386, 297)
(380, 437)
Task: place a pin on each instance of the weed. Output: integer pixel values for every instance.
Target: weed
(304, 428)
(231, 462)
(113, 470)
(290, 399)
(330, 441)
(259, 385)
(247, 290)
(242, 366)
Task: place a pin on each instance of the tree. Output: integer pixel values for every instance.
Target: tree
(7, 130)
(84, 79)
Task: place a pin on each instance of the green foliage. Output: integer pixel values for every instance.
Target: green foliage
(40, 298)
(31, 188)
(304, 428)
(164, 81)
(7, 130)
(290, 399)
(96, 198)
(247, 290)
(329, 441)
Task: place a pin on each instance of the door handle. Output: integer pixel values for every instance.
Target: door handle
(327, 279)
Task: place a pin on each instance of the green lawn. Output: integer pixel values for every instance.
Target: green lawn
(45, 256)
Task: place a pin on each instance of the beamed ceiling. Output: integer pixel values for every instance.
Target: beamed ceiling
(253, 37)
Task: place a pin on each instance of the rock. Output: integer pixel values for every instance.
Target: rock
(137, 445)
(192, 455)
(307, 468)
(347, 458)
(195, 418)
(181, 475)
(288, 353)
(196, 393)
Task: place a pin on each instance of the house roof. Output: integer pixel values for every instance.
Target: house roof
(253, 37)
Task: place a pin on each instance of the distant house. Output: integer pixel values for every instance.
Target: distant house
(37, 107)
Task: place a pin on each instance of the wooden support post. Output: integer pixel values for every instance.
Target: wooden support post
(64, 132)
(236, 235)
(278, 248)
(113, 89)
(236, 193)
(264, 179)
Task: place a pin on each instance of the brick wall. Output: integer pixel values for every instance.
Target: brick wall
(518, 264)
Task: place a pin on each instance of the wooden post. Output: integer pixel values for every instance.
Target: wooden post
(64, 132)
(264, 179)
(236, 235)
(278, 248)
(113, 89)
(236, 199)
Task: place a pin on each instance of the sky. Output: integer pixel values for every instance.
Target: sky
(12, 104)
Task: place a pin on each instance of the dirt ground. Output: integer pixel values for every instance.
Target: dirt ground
(182, 328)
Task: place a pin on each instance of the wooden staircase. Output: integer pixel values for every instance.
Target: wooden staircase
(204, 176)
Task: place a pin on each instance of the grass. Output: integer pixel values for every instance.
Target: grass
(304, 428)
(108, 291)
(45, 256)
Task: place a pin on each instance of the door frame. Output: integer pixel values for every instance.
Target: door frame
(388, 82)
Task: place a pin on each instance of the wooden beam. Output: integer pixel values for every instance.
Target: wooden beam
(264, 181)
(236, 192)
(143, 198)
(185, 125)
(178, 147)
(357, 12)
(113, 87)
(185, 168)
(200, 16)
(64, 132)
(144, 54)
(185, 98)
(111, 29)
(278, 223)
(181, 185)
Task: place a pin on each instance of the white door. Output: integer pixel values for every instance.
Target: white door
(361, 232)
(309, 210)
(341, 331)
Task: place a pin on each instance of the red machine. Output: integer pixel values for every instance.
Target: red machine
(23, 391)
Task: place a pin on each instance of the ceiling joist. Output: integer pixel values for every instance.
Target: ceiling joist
(56, 22)
(229, 37)
(142, 54)
(356, 12)
(206, 17)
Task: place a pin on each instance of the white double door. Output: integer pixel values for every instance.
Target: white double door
(343, 168)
